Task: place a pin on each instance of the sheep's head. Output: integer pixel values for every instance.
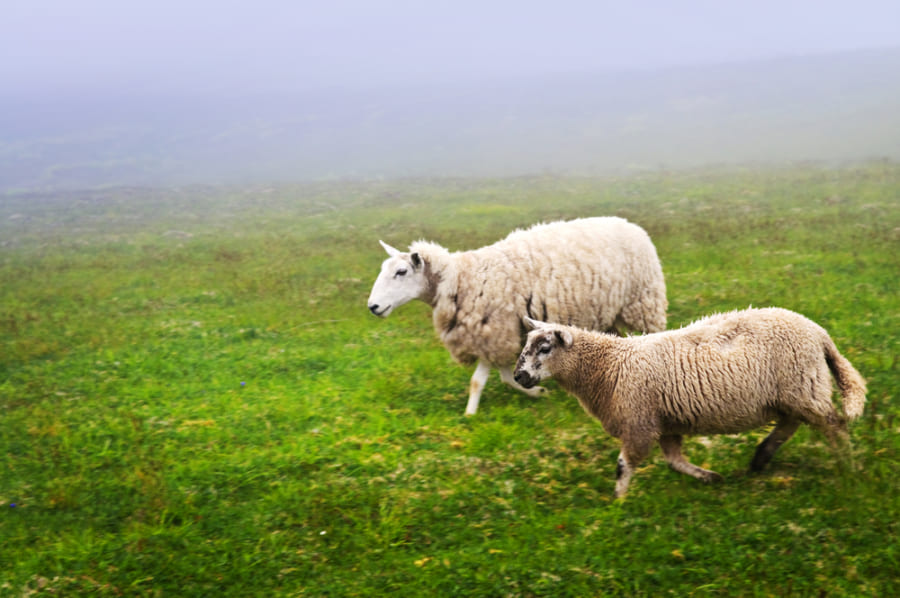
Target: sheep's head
(536, 360)
(401, 280)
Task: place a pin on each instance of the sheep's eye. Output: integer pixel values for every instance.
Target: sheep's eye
(544, 349)
(400, 272)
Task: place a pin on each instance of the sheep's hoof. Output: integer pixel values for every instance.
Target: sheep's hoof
(711, 477)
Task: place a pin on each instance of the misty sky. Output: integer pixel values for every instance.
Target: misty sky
(57, 46)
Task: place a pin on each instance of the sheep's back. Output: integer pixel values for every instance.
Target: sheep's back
(581, 273)
(731, 372)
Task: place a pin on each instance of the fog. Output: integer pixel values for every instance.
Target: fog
(100, 92)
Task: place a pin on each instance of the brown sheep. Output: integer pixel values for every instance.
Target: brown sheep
(724, 374)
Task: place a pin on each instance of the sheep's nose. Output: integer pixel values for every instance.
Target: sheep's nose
(373, 307)
(523, 379)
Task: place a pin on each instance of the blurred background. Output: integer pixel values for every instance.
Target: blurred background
(100, 92)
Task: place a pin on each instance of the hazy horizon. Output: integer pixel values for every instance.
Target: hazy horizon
(100, 92)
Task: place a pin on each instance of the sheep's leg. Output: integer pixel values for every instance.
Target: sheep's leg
(476, 385)
(838, 436)
(506, 374)
(784, 429)
(671, 448)
(631, 455)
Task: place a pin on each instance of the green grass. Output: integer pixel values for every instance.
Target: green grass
(195, 401)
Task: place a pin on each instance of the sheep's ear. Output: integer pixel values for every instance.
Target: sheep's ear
(390, 250)
(416, 260)
(564, 338)
(531, 324)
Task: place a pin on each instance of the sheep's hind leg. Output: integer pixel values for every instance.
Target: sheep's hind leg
(506, 374)
(476, 385)
(835, 430)
(784, 429)
(671, 448)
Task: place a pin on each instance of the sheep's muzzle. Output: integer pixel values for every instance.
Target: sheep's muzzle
(524, 379)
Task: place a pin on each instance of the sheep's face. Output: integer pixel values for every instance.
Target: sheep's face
(544, 343)
(401, 280)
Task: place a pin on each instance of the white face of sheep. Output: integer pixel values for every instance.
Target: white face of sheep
(536, 360)
(401, 280)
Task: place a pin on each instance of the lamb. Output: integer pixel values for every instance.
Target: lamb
(598, 273)
(723, 374)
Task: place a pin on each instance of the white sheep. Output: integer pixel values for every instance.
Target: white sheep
(597, 273)
(724, 374)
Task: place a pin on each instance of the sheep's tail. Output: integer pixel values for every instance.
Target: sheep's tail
(849, 381)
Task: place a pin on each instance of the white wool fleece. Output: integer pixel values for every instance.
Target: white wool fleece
(594, 273)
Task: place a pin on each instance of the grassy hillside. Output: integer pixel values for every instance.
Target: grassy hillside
(196, 402)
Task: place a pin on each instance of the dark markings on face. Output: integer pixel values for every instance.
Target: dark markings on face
(620, 467)
(533, 351)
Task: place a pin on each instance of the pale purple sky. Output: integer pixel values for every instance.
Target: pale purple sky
(211, 45)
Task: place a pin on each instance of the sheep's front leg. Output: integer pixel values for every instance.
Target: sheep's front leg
(476, 385)
(671, 448)
(506, 374)
(631, 455)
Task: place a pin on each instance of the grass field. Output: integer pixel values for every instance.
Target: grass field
(194, 400)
